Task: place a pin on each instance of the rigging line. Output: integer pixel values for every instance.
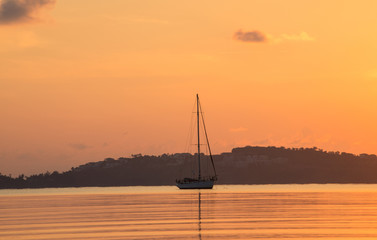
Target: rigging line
(188, 145)
(209, 148)
(189, 134)
(207, 162)
(198, 120)
(192, 127)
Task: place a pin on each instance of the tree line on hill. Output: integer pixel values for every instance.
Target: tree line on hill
(246, 165)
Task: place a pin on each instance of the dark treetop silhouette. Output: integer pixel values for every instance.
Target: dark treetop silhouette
(247, 165)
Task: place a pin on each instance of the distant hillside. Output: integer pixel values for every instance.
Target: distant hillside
(247, 165)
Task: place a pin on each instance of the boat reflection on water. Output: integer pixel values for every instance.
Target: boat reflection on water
(305, 212)
(200, 219)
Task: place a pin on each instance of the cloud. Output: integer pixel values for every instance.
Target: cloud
(79, 146)
(14, 11)
(259, 37)
(253, 36)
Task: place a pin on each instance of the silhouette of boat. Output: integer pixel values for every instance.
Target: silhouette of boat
(199, 182)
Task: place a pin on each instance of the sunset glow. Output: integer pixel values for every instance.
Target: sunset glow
(84, 80)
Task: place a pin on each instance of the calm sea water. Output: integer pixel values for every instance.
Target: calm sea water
(328, 211)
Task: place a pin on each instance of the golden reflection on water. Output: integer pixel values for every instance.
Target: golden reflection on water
(167, 213)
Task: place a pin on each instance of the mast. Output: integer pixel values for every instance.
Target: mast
(197, 116)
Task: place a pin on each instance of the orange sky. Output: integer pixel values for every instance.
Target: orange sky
(89, 79)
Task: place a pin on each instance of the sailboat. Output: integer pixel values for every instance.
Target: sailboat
(199, 182)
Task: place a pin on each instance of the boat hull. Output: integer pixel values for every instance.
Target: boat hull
(207, 184)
